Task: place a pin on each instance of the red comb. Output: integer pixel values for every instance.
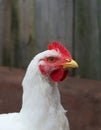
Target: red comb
(59, 47)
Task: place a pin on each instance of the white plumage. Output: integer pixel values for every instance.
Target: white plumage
(41, 106)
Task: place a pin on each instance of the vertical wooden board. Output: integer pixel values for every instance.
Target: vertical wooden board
(95, 55)
(1, 29)
(53, 21)
(99, 26)
(9, 32)
(87, 39)
(80, 36)
(26, 22)
(41, 24)
(68, 18)
(6, 46)
(61, 22)
(14, 33)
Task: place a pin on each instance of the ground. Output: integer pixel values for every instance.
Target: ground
(81, 97)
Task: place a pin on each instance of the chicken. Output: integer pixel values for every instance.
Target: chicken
(41, 103)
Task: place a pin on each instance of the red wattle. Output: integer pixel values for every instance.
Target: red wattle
(59, 74)
(65, 74)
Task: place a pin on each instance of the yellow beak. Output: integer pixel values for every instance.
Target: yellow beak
(70, 64)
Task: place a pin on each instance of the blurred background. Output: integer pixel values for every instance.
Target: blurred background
(27, 26)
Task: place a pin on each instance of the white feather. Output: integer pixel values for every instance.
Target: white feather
(41, 107)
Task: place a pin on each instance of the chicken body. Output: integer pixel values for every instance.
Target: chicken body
(41, 103)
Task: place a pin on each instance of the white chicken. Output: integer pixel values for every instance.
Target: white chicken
(41, 103)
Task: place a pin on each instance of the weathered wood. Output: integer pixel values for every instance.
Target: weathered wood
(5, 39)
(27, 26)
(1, 28)
(26, 21)
(17, 32)
(87, 39)
(53, 21)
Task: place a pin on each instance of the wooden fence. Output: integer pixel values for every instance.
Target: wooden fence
(27, 26)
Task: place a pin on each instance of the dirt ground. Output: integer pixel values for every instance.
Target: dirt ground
(80, 97)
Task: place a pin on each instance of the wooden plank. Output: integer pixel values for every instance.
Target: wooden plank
(1, 28)
(26, 30)
(6, 45)
(53, 21)
(87, 39)
(17, 32)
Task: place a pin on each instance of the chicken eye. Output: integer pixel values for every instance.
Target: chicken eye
(51, 59)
